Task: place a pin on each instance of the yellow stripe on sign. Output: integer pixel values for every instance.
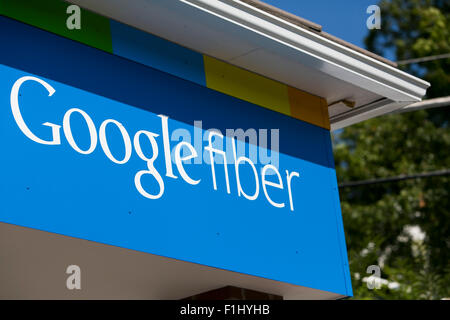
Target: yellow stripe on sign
(309, 108)
(265, 92)
(246, 85)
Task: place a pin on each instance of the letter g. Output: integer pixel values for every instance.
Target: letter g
(56, 139)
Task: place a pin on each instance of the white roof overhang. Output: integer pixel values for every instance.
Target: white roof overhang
(253, 39)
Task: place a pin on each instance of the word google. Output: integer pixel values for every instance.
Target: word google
(179, 151)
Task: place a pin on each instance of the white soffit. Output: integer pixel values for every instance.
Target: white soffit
(255, 40)
(34, 264)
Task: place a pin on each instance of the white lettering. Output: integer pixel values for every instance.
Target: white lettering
(289, 178)
(238, 180)
(151, 169)
(68, 131)
(104, 143)
(179, 164)
(278, 185)
(220, 152)
(14, 99)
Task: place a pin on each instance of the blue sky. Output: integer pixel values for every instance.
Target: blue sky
(345, 19)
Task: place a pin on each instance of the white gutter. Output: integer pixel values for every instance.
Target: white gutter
(371, 110)
(320, 53)
(381, 107)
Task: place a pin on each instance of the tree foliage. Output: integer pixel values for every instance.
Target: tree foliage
(403, 226)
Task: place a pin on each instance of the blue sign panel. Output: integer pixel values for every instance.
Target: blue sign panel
(126, 155)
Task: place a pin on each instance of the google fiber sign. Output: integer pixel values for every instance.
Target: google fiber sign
(126, 155)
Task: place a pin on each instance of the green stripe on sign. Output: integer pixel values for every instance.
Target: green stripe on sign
(51, 15)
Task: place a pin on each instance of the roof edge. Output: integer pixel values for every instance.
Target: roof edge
(304, 23)
(289, 17)
(341, 61)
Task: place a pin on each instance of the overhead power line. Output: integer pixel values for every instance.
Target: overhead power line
(444, 172)
(424, 59)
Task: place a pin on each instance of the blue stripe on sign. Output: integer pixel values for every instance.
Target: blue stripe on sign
(132, 83)
(58, 189)
(157, 53)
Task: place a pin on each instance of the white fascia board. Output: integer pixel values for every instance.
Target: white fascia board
(369, 111)
(320, 53)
